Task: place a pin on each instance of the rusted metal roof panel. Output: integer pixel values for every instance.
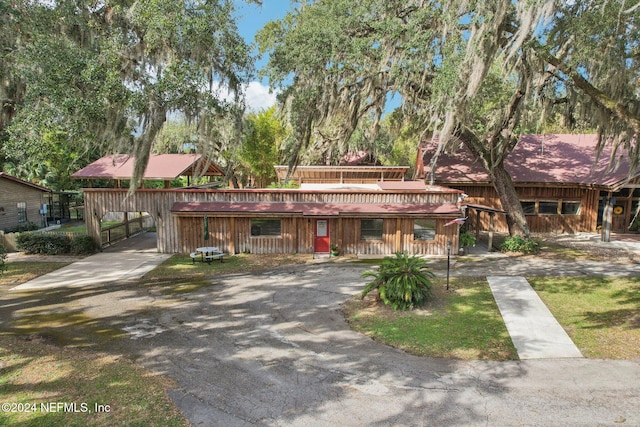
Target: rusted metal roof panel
(558, 159)
(160, 166)
(315, 209)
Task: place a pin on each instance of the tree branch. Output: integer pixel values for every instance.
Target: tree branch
(615, 107)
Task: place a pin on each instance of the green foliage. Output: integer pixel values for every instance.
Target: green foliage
(467, 239)
(28, 226)
(56, 244)
(3, 258)
(81, 79)
(260, 150)
(84, 245)
(520, 244)
(43, 243)
(286, 184)
(402, 282)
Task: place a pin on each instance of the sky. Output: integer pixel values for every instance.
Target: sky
(251, 18)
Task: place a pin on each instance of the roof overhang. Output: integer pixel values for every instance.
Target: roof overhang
(313, 209)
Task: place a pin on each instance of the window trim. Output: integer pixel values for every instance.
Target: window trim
(375, 239)
(21, 208)
(559, 204)
(262, 236)
(435, 229)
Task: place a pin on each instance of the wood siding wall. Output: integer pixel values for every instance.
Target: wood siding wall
(183, 232)
(12, 193)
(298, 236)
(585, 221)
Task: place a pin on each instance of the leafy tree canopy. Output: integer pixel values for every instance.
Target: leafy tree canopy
(104, 75)
(476, 72)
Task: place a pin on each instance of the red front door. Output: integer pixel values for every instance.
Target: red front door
(321, 242)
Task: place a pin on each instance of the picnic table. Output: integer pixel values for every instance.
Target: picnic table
(207, 254)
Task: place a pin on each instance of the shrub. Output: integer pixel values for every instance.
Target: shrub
(467, 239)
(28, 226)
(84, 245)
(3, 258)
(44, 243)
(403, 282)
(520, 244)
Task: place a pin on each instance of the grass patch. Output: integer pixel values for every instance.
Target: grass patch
(20, 272)
(34, 372)
(180, 266)
(600, 314)
(464, 323)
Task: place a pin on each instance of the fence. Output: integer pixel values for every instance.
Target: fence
(126, 229)
(110, 234)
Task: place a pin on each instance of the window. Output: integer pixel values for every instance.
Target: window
(424, 229)
(529, 208)
(22, 212)
(265, 227)
(571, 208)
(371, 229)
(547, 208)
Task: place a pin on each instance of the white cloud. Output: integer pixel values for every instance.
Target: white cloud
(259, 97)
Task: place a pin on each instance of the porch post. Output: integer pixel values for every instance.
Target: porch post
(606, 220)
(232, 237)
(490, 242)
(478, 213)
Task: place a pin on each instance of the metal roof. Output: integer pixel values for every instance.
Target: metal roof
(343, 174)
(545, 159)
(160, 166)
(314, 209)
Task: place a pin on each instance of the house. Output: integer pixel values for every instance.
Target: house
(21, 202)
(379, 217)
(560, 184)
(160, 167)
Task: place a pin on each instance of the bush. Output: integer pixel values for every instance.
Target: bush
(403, 282)
(84, 245)
(3, 258)
(43, 243)
(520, 244)
(467, 239)
(28, 226)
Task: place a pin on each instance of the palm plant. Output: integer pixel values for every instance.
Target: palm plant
(403, 282)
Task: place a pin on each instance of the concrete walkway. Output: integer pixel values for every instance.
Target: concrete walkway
(535, 333)
(127, 260)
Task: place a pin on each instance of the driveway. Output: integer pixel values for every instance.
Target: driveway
(274, 349)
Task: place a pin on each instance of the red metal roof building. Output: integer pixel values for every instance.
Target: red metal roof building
(403, 216)
(561, 185)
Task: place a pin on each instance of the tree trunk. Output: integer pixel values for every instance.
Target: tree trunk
(516, 221)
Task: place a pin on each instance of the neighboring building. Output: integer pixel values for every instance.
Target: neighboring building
(21, 202)
(160, 167)
(374, 218)
(561, 187)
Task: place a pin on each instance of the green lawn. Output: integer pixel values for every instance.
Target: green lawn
(38, 379)
(464, 323)
(600, 314)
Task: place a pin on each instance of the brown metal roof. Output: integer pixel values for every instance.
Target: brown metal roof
(160, 166)
(22, 182)
(545, 159)
(314, 209)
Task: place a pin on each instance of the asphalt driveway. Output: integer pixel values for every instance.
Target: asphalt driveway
(274, 349)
